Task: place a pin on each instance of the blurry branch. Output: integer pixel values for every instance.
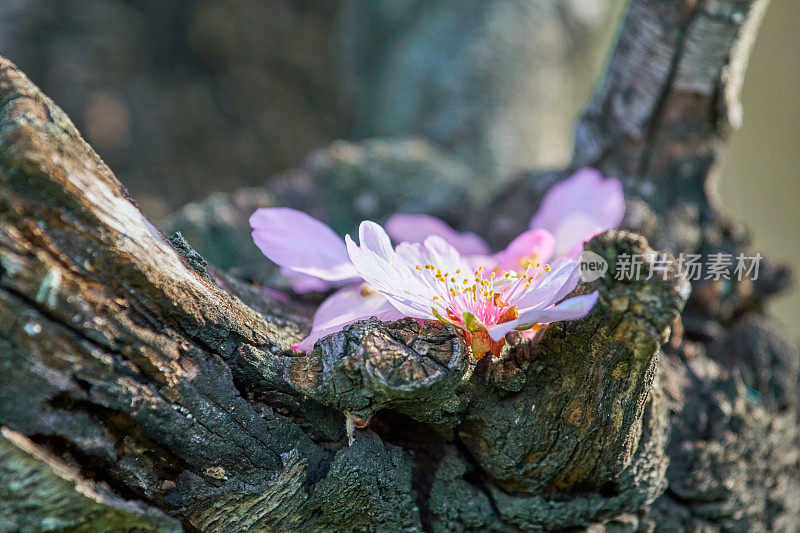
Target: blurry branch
(671, 95)
(660, 117)
(660, 121)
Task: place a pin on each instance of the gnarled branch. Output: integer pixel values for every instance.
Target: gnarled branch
(171, 382)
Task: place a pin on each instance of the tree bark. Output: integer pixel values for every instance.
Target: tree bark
(169, 387)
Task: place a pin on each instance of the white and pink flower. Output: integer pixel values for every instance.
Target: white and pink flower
(313, 257)
(431, 280)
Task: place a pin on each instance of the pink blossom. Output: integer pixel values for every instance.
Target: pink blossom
(578, 208)
(314, 258)
(308, 251)
(431, 280)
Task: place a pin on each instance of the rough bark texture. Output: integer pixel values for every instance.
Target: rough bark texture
(40, 492)
(659, 121)
(167, 387)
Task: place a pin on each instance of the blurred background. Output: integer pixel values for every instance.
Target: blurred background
(185, 98)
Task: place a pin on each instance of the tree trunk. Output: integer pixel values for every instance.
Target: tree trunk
(146, 389)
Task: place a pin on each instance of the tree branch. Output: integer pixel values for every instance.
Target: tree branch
(154, 357)
(142, 367)
(658, 120)
(670, 95)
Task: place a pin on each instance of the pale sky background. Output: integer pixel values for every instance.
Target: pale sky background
(760, 176)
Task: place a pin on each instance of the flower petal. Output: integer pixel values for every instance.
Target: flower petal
(344, 307)
(442, 254)
(579, 207)
(378, 265)
(348, 305)
(300, 242)
(570, 309)
(416, 228)
(375, 238)
(303, 283)
(535, 245)
(552, 287)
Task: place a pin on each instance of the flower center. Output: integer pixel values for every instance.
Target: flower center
(489, 299)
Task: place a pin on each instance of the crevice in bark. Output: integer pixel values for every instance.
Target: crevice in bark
(90, 468)
(654, 125)
(424, 443)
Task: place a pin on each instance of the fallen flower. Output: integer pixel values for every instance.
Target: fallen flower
(314, 258)
(431, 280)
